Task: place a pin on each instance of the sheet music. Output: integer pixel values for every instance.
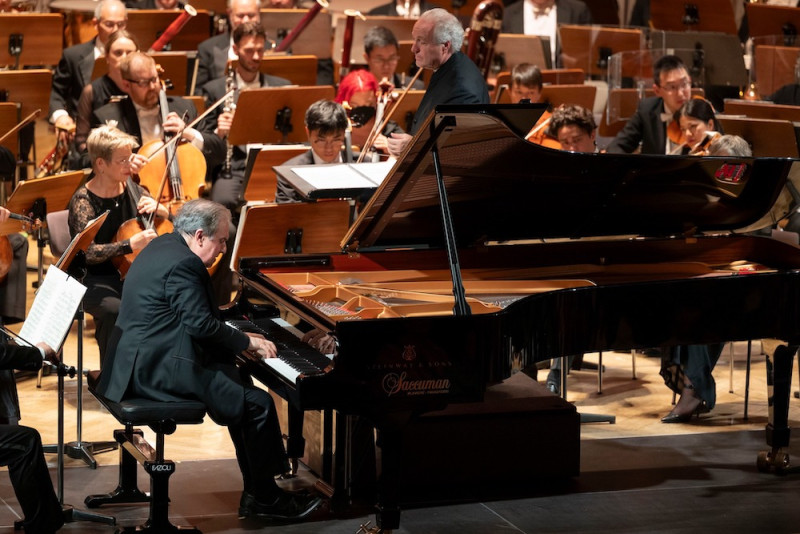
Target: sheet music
(53, 309)
(348, 176)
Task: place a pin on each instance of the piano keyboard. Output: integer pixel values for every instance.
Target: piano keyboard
(294, 357)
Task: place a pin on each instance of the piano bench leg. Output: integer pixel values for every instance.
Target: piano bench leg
(127, 490)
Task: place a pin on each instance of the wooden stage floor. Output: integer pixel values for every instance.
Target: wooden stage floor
(636, 475)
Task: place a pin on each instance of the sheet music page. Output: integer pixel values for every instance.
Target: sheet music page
(348, 176)
(53, 309)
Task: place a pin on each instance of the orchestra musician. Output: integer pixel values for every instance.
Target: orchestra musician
(98, 93)
(360, 90)
(325, 124)
(699, 125)
(574, 128)
(110, 189)
(74, 70)
(456, 79)
(526, 83)
(249, 42)
(154, 4)
(139, 114)
(648, 126)
(730, 145)
(382, 52)
(409, 9)
(21, 447)
(170, 344)
(214, 53)
(542, 17)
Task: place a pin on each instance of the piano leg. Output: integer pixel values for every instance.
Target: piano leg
(779, 378)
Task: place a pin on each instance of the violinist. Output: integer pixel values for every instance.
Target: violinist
(699, 126)
(649, 124)
(574, 128)
(98, 93)
(382, 52)
(325, 123)
(110, 189)
(360, 90)
(249, 42)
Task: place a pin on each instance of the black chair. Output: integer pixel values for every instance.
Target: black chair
(162, 418)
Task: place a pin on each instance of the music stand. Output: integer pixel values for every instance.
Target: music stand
(41, 38)
(766, 20)
(582, 95)
(174, 65)
(68, 263)
(260, 178)
(511, 49)
(315, 39)
(719, 55)
(277, 229)
(589, 47)
(147, 25)
(9, 117)
(300, 70)
(774, 67)
(403, 112)
(274, 114)
(768, 138)
(695, 15)
(31, 88)
(761, 110)
(38, 197)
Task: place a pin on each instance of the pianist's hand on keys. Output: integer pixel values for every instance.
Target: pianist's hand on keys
(261, 346)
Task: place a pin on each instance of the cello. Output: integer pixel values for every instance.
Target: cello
(184, 163)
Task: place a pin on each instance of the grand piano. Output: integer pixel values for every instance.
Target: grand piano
(481, 254)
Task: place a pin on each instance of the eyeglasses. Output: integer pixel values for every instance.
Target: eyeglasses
(677, 86)
(385, 60)
(112, 25)
(145, 83)
(125, 162)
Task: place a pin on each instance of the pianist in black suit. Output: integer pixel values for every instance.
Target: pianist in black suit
(171, 344)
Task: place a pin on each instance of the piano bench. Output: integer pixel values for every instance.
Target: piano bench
(162, 418)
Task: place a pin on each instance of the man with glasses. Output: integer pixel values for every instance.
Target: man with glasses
(382, 52)
(672, 86)
(74, 70)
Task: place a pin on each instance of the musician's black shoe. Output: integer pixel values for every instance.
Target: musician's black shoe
(688, 405)
(285, 507)
(553, 383)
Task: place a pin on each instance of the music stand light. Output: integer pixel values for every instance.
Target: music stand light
(41, 38)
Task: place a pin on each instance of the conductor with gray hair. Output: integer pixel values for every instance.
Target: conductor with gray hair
(437, 37)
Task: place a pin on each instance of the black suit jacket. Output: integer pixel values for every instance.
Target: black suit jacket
(22, 358)
(73, 72)
(458, 81)
(645, 127)
(285, 192)
(169, 342)
(567, 12)
(212, 58)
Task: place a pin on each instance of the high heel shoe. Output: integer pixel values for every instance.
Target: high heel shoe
(688, 405)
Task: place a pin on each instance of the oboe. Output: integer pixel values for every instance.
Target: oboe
(230, 105)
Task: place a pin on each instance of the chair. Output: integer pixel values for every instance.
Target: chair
(58, 229)
(162, 418)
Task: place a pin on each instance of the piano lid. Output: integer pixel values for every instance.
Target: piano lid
(501, 187)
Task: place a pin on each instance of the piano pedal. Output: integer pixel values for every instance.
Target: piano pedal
(365, 528)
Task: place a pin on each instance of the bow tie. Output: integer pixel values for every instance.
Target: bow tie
(667, 117)
(542, 11)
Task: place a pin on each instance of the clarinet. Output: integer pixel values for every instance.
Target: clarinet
(230, 105)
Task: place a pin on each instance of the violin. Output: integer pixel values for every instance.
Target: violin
(538, 134)
(186, 170)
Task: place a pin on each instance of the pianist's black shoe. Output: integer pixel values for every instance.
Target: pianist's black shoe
(286, 507)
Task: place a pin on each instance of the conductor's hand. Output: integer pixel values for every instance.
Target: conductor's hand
(397, 143)
(141, 239)
(49, 354)
(261, 346)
